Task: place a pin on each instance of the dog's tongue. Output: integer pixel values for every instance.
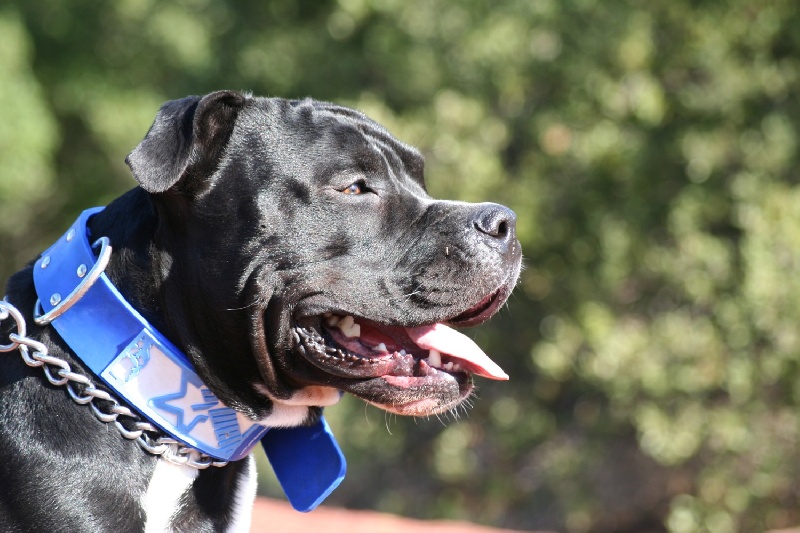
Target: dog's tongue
(458, 346)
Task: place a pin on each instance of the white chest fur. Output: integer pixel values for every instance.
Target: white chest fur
(171, 481)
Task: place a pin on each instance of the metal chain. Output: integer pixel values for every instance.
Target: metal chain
(104, 406)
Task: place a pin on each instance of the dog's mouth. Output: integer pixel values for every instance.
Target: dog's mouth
(419, 370)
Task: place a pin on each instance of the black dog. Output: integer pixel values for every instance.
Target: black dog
(290, 250)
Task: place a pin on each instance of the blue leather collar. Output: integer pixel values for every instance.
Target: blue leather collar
(152, 375)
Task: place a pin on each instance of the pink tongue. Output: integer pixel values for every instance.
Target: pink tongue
(458, 346)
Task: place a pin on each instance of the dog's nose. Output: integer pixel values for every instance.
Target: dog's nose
(497, 222)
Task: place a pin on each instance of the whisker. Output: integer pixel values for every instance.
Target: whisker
(386, 418)
(366, 415)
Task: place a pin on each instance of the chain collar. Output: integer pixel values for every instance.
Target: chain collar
(104, 406)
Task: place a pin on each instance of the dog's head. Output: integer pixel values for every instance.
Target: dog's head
(302, 256)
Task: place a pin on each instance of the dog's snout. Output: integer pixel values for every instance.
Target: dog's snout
(496, 221)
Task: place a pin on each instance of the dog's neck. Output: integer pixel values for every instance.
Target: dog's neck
(138, 268)
(150, 365)
(121, 347)
(217, 335)
(160, 272)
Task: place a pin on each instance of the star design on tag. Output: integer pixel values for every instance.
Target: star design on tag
(191, 396)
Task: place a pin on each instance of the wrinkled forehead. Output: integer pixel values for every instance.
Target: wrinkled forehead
(321, 134)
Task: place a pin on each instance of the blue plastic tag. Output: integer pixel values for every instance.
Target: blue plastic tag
(307, 462)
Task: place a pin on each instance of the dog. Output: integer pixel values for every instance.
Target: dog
(290, 250)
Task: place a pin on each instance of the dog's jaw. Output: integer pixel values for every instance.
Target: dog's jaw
(415, 370)
(403, 381)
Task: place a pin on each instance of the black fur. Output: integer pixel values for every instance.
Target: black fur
(238, 238)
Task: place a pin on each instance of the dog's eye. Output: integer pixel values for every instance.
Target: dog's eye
(355, 188)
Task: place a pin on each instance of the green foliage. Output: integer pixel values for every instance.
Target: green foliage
(650, 151)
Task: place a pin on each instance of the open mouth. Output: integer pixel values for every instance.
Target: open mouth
(408, 370)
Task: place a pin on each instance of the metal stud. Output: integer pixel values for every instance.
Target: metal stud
(70, 234)
(55, 299)
(82, 270)
(45, 261)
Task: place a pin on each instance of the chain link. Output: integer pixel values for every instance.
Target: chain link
(104, 406)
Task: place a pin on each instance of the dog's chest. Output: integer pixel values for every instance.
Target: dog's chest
(166, 497)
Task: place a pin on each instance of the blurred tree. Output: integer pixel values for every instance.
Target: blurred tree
(650, 151)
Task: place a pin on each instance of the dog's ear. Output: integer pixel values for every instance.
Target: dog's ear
(187, 139)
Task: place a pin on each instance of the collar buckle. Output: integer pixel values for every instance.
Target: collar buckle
(62, 305)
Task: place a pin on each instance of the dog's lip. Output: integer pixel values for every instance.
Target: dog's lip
(414, 396)
(482, 311)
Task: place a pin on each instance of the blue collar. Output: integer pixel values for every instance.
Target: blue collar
(155, 378)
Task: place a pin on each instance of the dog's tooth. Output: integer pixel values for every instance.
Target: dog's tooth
(345, 323)
(434, 359)
(381, 348)
(349, 327)
(448, 367)
(331, 320)
(402, 352)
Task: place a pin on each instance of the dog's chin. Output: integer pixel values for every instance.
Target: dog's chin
(403, 370)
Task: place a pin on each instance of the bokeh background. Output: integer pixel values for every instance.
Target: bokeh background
(650, 150)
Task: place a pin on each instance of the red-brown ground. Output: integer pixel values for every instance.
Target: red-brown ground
(270, 516)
